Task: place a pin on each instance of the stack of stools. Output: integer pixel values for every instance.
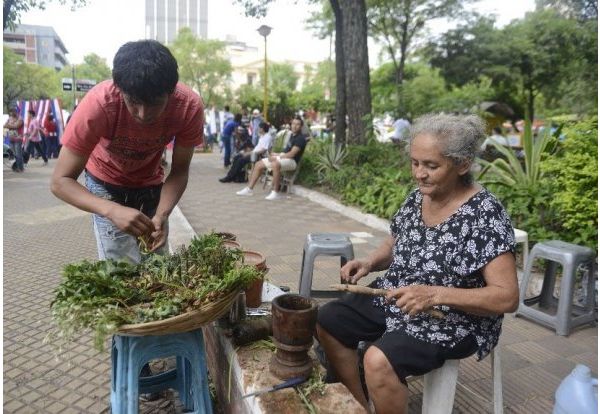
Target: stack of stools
(328, 244)
(570, 256)
(131, 353)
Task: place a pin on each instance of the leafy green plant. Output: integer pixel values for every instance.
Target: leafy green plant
(101, 296)
(330, 156)
(509, 171)
(573, 175)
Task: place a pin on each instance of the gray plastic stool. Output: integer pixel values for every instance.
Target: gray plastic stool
(329, 244)
(571, 256)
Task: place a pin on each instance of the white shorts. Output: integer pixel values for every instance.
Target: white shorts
(287, 164)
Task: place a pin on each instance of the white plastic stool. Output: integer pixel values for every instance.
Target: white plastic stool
(439, 386)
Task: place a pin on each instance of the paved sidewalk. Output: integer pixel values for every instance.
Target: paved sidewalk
(41, 235)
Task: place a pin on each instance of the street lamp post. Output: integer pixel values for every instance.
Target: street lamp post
(264, 31)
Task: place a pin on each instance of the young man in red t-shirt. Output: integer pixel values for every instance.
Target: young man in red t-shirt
(118, 135)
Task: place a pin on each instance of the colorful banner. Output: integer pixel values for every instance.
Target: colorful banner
(42, 108)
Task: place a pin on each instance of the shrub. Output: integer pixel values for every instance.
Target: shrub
(573, 176)
(375, 177)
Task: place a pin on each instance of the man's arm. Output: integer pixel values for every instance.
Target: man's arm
(171, 192)
(64, 185)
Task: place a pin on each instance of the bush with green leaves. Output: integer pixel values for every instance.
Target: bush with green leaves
(374, 177)
(572, 174)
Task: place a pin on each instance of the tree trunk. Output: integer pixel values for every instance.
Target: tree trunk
(356, 63)
(340, 94)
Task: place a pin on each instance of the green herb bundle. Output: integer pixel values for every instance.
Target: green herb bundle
(101, 296)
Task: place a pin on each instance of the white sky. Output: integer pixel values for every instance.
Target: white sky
(103, 26)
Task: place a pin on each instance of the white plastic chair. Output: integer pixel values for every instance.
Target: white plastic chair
(439, 386)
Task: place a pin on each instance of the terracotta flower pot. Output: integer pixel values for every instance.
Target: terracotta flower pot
(254, 291)
(231, 244)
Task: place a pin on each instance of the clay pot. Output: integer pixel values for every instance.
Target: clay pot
(254, 291)
(231, 244)
(294, 321)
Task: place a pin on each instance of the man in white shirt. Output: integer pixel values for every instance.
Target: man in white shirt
(400, 129)
(248, 154)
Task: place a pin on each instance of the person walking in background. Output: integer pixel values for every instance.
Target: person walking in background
(33, 138)
(51, 131)
(254, 123)
(212, 121)
(226, 135)
(14, 124)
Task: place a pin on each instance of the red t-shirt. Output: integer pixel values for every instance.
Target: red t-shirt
(121, 150)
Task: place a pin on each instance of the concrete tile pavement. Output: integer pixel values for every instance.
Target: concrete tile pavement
(41, 235)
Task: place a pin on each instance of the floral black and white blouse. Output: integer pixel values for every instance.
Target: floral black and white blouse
(451, 254)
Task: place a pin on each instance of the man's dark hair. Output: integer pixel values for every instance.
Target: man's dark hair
(31, 112)
(226, 108)
(498, 130)
(299, 119)
(145, 70)
(265, 126)
(237, 118)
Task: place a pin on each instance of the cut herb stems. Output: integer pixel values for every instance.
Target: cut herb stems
(103, 295)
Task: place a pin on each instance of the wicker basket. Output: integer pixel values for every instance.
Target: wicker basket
(189, 321)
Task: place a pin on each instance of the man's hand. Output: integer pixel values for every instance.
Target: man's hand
(160, 233)
(354, 270)
(130, 220)
(413, 299)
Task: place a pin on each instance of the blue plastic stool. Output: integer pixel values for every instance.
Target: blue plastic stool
(130, 353)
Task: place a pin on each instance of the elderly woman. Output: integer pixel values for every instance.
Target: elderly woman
(451, 248)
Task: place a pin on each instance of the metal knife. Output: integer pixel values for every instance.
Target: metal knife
(287, 384)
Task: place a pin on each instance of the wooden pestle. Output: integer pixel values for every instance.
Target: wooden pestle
(365, 290)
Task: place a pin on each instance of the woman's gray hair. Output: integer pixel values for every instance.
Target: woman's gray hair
(460, 136)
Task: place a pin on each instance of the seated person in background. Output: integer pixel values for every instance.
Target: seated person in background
(451, 249)
(285, 161)
(242, 141)
(248, 154)
(496, 137)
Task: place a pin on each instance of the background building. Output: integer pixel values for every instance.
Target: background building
(37, 44)
(248, 63)
(164, 18)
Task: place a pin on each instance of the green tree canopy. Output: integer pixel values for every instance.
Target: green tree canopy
(540, 56)
(26, 81)
(14, 8)
(397, 24)
(203, 65)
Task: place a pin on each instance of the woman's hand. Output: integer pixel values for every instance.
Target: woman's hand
(354, 270)
(130, 220)
(413, 299)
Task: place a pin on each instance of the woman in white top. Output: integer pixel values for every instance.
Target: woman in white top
(248, 154)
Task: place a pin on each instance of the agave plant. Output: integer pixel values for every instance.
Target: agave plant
(330, 156)
(510, 171)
